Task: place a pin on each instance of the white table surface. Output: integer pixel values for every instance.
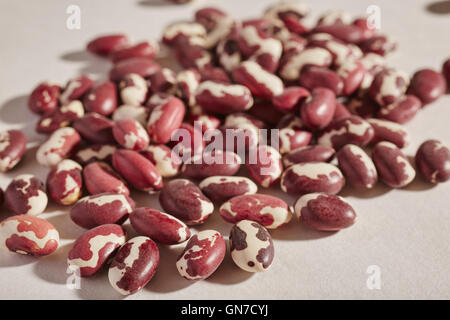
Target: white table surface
(404, 232)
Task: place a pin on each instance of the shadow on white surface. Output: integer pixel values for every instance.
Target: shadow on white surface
(15, 111)
(52, 268)
(439, 7)
(91, 65)
(66, 227)
(228, 273)
(11, 259)
(297, 231)
(154, 3)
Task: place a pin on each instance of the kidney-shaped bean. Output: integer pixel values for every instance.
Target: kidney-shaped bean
(317, 111)
(215, 163)
(60, 145)
(357, 166)
(223, 188)
(402, 110)
(44, 98)
(141, 66)
(105, 45)
(264, 165)
(385, 130)
(12, 147)
(318, 77)
(64, 182)
(26, 195)
(95, 128)
(428, 85)
(99, 177)
(316, 153)
(433, 161)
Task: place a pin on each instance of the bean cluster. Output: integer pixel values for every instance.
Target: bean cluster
(337, 105)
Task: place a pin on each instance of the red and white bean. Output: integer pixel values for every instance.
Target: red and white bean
(65, 183)
(26, 195)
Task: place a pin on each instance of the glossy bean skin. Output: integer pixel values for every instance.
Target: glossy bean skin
(137, 170)
(26, 195)
(64, 182)
(311, 177)
(28, 235)
(357, 167)
(402, 110)
(141, 66)
(165, 161)
(269, 211)
(428, 85)
(185, 201)
(317, 77)
(102, 99)
(388, 86)
(44, 98)
(95, 128)
(381, 45)
(266, 167)
(352, 74)
(60, 145)
(392, 165)
(290, 99)
(251, 246)
(91, 251)
(202, 255)
(105, 45)
(292, 67)
(433, 161)
(324, 212)
(12, 148)
(385, 130)
(141, 50)
(75, 89)
(93, 153)
(99, 177)
(316, 153)
(130, 134)
(223, 188)
(159, 226)
(349, 130)
(134, 265)
(60, 118)
(104, 208)
(215, 163)
(317, 111)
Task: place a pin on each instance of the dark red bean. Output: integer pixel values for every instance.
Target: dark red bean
(316, 77)
(381, 45)
(64, 182)
(12, 148)
(99, 177)
(102, 99)
(385, 130)
(316, 153)
(357, 167)
(105, 45)
(141, 50)
(95, 128)
(290, 99)
(427, 85)
(223, 188)
(317, 111)
(433, 161)
(44, 98)
(215, 163)
(142, 66)
(402, 110)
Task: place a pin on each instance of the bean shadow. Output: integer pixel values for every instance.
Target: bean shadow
(167, 279)
(228, 273)
(297, 231)
(154, 3)
(91, 64)
(66, 227)
(378, 190)
(215, 222)
(97, 287)
(53, 268)
(15, 110)
(11, 259)
(439, 7)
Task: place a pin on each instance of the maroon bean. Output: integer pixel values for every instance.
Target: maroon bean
(61, 117)
(316, 77)
(392, 165)
(165, 119)
(94, 248)
(290, 99)
(292, 134)
(223, 98)
(341, 111)
(223, 188)
(381, 45)
(310, 177)
(269, 211)
(137, 170)
(12, 147)
(402, 110)
(251, 246)
(25, 194)
(141, 50)
(99, 177)
(215, 163)
(427, 85)
(210, 73)
(2, 197)
(176, 31)
(159, 226)
(264, 166)
(130, 134)
(141, 66)
(345, 32)
(340, 51)
(217, 23)
(105, 45)
(184, 200)
(60, 145)
(44, 98)
(190, 52)
(316, 153)
(348, 130)
(64, 182)
(134, 265)
(103, 208)
(324, 212)
(261, 83)
(187, 83)
(165, 161)
(388, 86)
(357, 167)
(433, 161)
(291, 13)
(292, 66)
(99, 152)
(163, 80)
(385, 130)
(317, 111)
(102, 99)
(363, 106)
(133, 89)
(95, 128)
(202, 255)
(187, 141)
(30, 235)
(75, 89)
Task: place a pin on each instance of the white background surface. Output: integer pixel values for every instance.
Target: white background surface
(404, 232)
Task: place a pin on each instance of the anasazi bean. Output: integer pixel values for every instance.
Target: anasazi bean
(251, 246)
(64, 182)
(223, 188)
(12, 147)
(428, 85)
(433, 161)
(358, 168)
(30, 235)
(26, 195)
(94, 247)
(324, 212)
(202, 255)
(267, 210)
(99, 177)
